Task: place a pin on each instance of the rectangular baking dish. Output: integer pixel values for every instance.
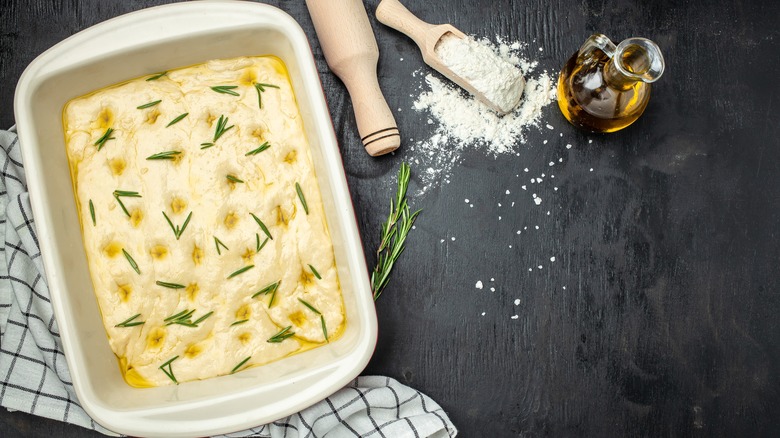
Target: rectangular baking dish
(132, 45)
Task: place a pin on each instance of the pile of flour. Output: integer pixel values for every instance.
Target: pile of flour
(460, 121)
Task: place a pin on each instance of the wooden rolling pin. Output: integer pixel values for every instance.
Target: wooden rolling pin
(351, 52)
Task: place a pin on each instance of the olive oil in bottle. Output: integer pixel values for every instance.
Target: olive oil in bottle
(603, 87)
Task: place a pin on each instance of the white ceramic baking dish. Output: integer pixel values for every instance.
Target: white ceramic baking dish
(140, 43)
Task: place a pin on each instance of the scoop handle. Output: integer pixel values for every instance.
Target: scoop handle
(392, 13)
(351, 52)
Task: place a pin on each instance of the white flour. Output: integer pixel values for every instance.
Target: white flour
(460, 121)
(499, 80)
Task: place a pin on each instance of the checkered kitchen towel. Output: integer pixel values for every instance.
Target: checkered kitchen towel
(34, 375)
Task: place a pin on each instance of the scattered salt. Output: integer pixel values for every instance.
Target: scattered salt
(479, 285)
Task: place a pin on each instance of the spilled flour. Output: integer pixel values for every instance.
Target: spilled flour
(459, 121)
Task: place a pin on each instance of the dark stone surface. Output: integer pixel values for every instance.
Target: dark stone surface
(670, 320)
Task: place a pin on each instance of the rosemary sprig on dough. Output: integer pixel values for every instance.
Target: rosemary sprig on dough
(92, 212)
(130, 323)
(157, 76)
(170, 285)
(259, 149)
(314, 271)
(240, 364)
(271, 288)
(240, 321)
(394, 233)
(305, 303)
(259, 245)
(131, 261)
(177, 231)
(167, 155)
(226, 89)
(324, 328)
(302, 198)
(260, 87)
(218, 242)
(177, 119)
(222, 127)
(240, 271)
(127, 194)
(148, 105)
(185, 318)
(104, 138)
(169, 372)
(206, 145)
(282, 335)
(233, 178)
(262, 226)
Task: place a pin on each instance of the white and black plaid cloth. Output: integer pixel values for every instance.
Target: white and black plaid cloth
(34, 375)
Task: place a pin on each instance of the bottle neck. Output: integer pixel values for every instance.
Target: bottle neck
(615, 78)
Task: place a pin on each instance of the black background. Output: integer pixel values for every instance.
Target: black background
(670, 320)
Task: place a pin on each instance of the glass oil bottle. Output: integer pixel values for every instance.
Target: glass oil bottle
(603, 87)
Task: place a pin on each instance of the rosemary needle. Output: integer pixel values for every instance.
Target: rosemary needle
(104, 138)
(301, 197)
(167, 155)
(92, 213)
(127, 194)
(310, 306)
(324, 328)
(234, 179)
(206, 145)
(282, 335)
(259, 149)
(260, 87)
(240, 271)
(176, 120)
(218, 242)
(157, 76)
(314, 271)
(170, 285)
(241, 321)
(240, 364)
(226, 89)
(130, 323)
(177, 230)
(262, 226)
(260, 245)
(131, 261)
(148, 105)
(221, 127)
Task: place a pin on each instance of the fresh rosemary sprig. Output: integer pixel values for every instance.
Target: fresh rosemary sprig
(126, 194)
(305, 303)
(157, 76)
(260, 87)
(218, 242)
(234, 179)
(240, 364)
(92, 212)
(206, 145)
(131, 261)
(240, 321)
(240, 271)
(167, 155)
(226, 89)
(221, 127)
(177, 231)
(177, 119)
(262, 226)
(185, 318)
(314, 271)
(302, 198)
(259, 149)
(271, 288)
(104, 138)
(259, 245)
(169, 372)
(282, 335)
(130, 323)
(148, 105)
(324, 328)
(394, 233)
(170, 285)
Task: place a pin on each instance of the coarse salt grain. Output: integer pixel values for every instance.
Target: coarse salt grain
(479, 284)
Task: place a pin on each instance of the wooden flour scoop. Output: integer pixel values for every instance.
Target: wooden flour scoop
(392, 13)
